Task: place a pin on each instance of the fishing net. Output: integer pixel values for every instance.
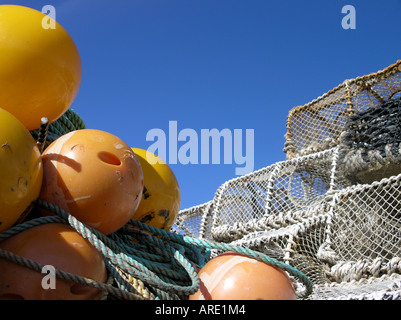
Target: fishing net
(332, 208)
(371, 143)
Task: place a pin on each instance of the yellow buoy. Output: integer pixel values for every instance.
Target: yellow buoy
(40, 71)
(21, 170)
(161, 197)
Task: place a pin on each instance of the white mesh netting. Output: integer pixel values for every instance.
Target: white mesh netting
(306, 211)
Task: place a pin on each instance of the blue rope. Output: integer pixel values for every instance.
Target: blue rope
(177, 276)
(207, 244)
(164, 260)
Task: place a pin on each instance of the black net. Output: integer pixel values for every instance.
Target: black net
(375, 128)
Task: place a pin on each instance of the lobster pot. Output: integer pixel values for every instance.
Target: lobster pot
(371, 143)
(275, 197)
(374, 288)
(332, 209)
(361, 252)
(195, 221)
(346, 238)
(366, 224)
(265, 209)
(319, 124)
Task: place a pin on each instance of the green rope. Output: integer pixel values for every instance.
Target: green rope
(59, 273)
(165, 262)
(227, 247)
(152, 274)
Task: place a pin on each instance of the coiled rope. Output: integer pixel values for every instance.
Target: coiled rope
(166, 262)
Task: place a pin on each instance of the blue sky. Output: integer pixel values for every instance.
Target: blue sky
(235, 64)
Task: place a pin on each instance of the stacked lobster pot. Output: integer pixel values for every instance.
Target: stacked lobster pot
(332, 209)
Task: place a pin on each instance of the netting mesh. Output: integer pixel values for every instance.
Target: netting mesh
(309, 211)
(371, 142)
(312, 218)
(274, 197)
(319, 124)
(366, 224)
